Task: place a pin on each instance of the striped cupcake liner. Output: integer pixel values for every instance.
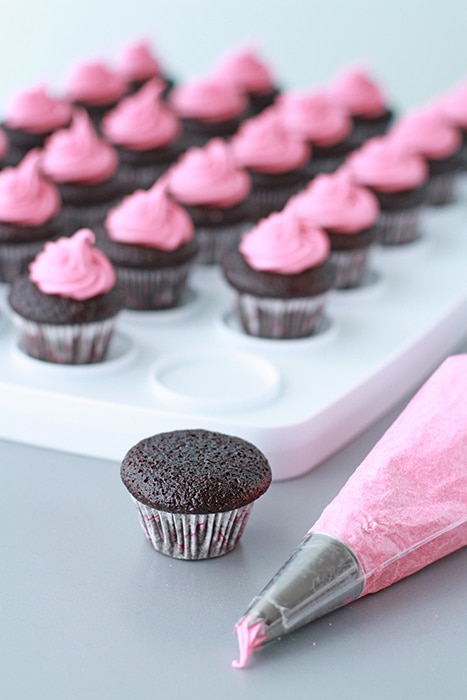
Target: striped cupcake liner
(398, 226)
(441, 189)
(87, 216)
(215, 242)
(265, 200)
(266, 317)
(72, 344)
(193, 536)
(15, 259)
(351, 266)
(153, 289)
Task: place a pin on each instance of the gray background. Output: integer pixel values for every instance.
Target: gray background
(88, 610)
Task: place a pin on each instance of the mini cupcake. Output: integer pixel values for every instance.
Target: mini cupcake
(281, 276)
(150, 241)
(357, 92)
(251, 76)
(347, 212)
(426, 133)
(208, 108)
(146, 134)
(215, 192)
(137, 64)
(275, 159)
(85, 169)
(65, 310)
(453, 107)
(31, 117)
(194, 490)
(95, 87)
(398, 179)
(322, 123)
(29, 215)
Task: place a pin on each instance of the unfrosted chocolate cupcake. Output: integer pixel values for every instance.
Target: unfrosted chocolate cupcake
(194, 490)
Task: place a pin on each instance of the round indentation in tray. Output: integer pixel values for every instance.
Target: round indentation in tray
(121, 352)
(214, 379)
(190, 303)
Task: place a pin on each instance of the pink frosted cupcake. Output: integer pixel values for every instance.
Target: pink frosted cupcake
(138, 64)
(398, 179)
(322, 123)
(146, 134)
(347, 212)
(31, 117)
(215, 191)
(150, 241)
(428, 134)
(356, 91)
(85, 170)
(281, 276)
(249, 73)
(275, 158)
(95, 87)
(29, 215)
(453, 107)
(65, 310)
(7, 156)
(208, 108)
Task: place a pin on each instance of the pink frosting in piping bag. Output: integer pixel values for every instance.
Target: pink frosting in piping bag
(27, 198)
(142, 121)
(73, 268)
(151, 218)
(315, 117)
(78, 154)
(34, 110)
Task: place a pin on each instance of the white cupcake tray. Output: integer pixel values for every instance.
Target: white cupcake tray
(297, 400)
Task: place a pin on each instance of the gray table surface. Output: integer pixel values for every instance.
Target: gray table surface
(89, 611)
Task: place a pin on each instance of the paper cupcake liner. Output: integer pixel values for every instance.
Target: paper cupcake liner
(398, 226)
(160, 288)
(350, 265)
(441, 189)
(323, 164)
(87, 216)
(68, 344)
(266, 317)
(191, 536)
(265, 200)
(15, 258)
(215, 242)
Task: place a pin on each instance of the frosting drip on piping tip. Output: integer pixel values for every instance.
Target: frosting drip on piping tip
(250, 638)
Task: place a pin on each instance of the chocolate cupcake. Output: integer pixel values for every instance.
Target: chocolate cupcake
(208, 108)
(347, 213)
(30, 214)
(358, 92)
(281, 276)
(275, 159)
(322, 123)
(426, 133)
(215, 192)
(398, 180)
(150, 241)
(85, 169)
(65, 310)
(452, 105)
(32, 116)
(194, 490)
(137, 64)
(146, 134)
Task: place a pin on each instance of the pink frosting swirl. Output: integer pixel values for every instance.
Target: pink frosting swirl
(356, 91)
(4, 145)
(27, 198)
(95, 83)
(150, 218)
(386, 165)
(315, 117)
(428, 133)
(334, 202)
(453, 105)
(36, 111)
(209, 176)
(73, 268)
(78, 154)
(264, 143)
(280, 244)
(142, 121)
(209, 100)
(245, 70)
(137, 62)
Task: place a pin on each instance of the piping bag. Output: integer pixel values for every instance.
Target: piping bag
(404, 507)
